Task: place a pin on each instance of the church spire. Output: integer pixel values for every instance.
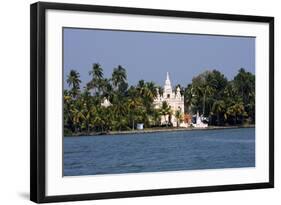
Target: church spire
(168, 87)
(168, 82)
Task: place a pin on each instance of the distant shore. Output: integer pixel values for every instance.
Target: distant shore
(154, 130)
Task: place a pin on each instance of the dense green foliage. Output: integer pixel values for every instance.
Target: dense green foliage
(222, 101)
(219, 100)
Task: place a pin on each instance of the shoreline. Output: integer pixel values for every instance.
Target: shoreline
(155, 130)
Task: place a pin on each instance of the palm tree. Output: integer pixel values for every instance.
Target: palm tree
(106, 88)
(97, 120)
(67, 100)
(118, 76)
(230, 90)
(141, 88)
(73, 82)
(218, 108)
(188, 98)
(84, 110)
(244, 83)
(236, 110)
(120, 110)
(207, 90)
(150, 93)
(156, 114)
(96, 72)
(133, 104)
(201, 93)
(240, 81)
(121, 124)
(166, 110)
(107, 115)
(97, 76)
(179, 117)
(76, 118)
(85, 116)
(151, 90)
(147, 92)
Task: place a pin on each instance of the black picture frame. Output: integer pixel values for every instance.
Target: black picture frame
(38, 103)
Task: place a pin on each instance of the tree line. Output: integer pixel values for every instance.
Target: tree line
(220, 101)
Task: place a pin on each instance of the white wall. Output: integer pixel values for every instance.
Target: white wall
(14, 100)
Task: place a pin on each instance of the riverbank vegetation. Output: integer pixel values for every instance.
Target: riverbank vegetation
(222, 102)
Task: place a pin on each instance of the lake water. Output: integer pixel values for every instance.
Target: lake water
(162, 151)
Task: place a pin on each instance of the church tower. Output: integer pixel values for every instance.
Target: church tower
(168, 87)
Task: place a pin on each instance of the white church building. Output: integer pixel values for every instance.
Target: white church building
(176, 102)
(174, 99)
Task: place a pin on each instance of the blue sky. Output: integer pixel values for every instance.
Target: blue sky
(148, 56)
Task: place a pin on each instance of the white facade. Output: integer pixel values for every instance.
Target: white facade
(174, 99)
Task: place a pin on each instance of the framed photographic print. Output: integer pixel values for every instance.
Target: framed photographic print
(129, 102)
